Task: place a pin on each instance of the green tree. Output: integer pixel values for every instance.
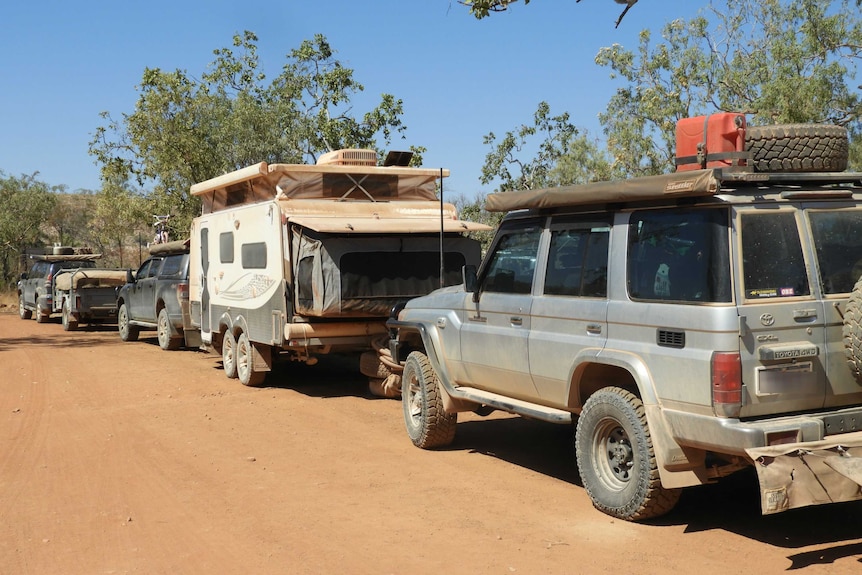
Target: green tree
(25, 202)
(778, 61)
(185, 130)
(549, 152)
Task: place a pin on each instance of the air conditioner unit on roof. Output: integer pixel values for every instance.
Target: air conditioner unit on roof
(348, 158)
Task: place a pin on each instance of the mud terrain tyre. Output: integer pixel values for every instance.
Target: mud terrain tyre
(798, 147)
(228, 354)
(128, 332)
(616, 457)
(428, 425)
(852, 331)
(70, 322)
(167, 341)
(245, 364)
(23, 312)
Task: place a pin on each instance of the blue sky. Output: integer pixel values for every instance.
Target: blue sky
(62, 63)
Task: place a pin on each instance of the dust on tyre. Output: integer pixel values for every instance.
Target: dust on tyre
(428, 424)
(23, 312)
(41, 316)
(244, 363)
(616, 458)
(798, 147)
(228, 354)
(167, 341)
(852, 331)
(128, 332)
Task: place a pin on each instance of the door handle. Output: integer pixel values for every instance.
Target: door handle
(804, 314)
(594, 328)
(516, 320)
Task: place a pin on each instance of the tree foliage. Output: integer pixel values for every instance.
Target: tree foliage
(778, 61)
(185, 130)
(25, 202)
(550, 151)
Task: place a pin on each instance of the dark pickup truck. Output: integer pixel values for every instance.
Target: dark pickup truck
(156, 297)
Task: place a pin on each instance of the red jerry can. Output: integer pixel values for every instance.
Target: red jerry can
(714, 141)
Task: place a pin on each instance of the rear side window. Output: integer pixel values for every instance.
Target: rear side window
(679, 255)
(511, 266)
(174, 266)
(772, 261)
(578, 259)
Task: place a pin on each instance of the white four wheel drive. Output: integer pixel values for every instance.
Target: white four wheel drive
(690, 325)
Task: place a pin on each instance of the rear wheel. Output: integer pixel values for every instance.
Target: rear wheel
(616, 457)
(70, 322)
(41, 316)
(228, 354)
(245, 364)
(167, 340)
(23, 312)
(428, 424)
(128, 332)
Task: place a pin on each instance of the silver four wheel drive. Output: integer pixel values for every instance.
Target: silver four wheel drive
(691, 325)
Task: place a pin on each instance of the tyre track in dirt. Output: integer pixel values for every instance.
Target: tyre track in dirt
(123, 458)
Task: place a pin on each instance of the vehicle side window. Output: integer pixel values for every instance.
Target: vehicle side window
(145, 270)
(174, 266)
(511, 266)
(39, 270)
(679, 255)
(838, 242)
(578, 259)
(767, 239)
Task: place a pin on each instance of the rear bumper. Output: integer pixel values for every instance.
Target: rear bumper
(735, 437)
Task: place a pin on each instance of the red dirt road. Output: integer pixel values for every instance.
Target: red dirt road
(122, 458)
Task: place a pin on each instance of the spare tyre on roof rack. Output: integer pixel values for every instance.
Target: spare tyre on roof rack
(797, 147)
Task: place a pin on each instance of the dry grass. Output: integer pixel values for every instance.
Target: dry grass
(8, 301)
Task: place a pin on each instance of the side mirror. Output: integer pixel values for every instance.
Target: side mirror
(24, 276)
(471, 282)
(130, 277)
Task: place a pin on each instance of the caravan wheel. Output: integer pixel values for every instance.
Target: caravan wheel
(228, 354)
(245, 364)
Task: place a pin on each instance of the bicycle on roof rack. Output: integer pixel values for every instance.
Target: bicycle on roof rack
(160, 223)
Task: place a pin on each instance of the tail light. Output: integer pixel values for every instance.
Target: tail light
(183, 291)
(726, 384)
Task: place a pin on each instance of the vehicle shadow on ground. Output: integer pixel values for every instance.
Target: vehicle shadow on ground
(732, 504)
(332, 376)
(79, 338)
(546, 448)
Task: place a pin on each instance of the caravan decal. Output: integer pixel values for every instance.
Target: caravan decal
(248, 286)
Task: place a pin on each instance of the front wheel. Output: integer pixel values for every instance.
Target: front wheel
(244, 363)
(428, 424)
(128, 332)
(23, 312)
(166, 339)
(616, 457)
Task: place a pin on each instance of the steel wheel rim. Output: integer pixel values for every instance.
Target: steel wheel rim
(613, 454)
(414, 403)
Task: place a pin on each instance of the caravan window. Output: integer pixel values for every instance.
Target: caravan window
(225, 247)
(254, 256)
